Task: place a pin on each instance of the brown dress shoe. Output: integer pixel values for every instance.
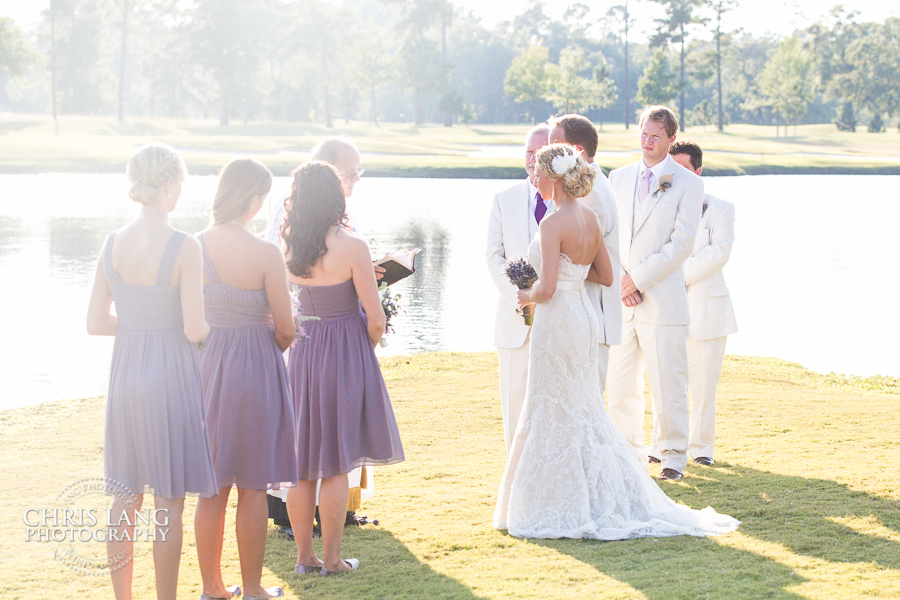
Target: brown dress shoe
(653, 460)
(669, 475)
(704, 460)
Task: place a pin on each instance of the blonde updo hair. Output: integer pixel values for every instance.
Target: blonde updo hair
(578, 180)
(240, 181)
(150, 168)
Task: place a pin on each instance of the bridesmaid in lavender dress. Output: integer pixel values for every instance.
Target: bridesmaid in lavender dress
(245, 384)
(343, 413)
(155, 438)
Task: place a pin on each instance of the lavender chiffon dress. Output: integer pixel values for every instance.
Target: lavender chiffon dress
(155, 439)
(343, 413)
(248, 403)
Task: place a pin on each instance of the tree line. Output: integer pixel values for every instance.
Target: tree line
(427, 61)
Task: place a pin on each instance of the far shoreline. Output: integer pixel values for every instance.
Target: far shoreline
(485, 172)
(35, 144)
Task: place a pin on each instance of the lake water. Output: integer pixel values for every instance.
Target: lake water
(813, 274)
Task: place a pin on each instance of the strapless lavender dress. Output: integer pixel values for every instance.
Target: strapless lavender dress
(155, 439)
(343, 413)
(248, 403)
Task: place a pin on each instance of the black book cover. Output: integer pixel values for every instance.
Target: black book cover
(397, 266)
(394, 272)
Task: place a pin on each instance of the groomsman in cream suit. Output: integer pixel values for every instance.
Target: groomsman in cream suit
(581, 133)
(712, 315)
(515, 215)
(659, 204)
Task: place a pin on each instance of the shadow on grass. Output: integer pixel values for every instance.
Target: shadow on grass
(683, 568)
(387, 570)
(808, 517)
(803, 514)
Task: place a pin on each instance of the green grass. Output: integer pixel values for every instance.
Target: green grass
(32, 144)
(806, 461)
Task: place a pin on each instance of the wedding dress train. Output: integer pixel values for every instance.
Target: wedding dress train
(570, 473)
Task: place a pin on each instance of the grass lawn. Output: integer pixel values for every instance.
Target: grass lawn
(32, 144)
(806, 461)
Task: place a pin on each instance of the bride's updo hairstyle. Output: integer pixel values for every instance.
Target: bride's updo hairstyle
(316, 203)
(562, 161)
(240, 181)
(150, 168)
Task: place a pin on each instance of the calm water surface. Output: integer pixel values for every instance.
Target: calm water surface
(812, 275)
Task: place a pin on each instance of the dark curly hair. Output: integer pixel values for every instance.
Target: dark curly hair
(315, 204)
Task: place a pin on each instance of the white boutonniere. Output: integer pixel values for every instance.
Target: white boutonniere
(665, 182)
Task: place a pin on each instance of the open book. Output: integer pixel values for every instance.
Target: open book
(397, 265)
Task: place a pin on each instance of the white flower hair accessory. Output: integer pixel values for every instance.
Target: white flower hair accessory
(563, 163)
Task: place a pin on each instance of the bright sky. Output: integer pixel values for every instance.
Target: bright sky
(759, 17)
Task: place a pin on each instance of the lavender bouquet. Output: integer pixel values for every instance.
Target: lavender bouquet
(390, 303)
(299, 330)
(522, 275)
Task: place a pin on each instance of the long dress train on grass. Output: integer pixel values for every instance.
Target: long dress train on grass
(570, 473)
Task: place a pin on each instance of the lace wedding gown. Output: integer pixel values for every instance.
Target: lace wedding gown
(570, 473)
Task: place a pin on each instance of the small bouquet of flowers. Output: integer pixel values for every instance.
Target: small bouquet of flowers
(522, 275)
(390, 303)
(299, 330)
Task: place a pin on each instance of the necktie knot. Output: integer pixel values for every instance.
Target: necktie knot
(540, 209)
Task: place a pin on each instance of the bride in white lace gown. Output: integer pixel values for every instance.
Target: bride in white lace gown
(570, 473)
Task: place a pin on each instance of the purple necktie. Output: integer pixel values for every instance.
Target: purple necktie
(540, 209)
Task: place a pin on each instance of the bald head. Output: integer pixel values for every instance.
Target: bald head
(341, 153)
(535, 139)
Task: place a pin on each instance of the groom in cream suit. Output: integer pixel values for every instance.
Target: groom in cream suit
(659, 204)
(515, 215)
(712, 314)
(580, 132)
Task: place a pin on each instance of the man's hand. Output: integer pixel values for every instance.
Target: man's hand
(524, 297)
(632, 299)
(379, 272)
(628, 287)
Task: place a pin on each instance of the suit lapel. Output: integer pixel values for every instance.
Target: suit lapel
(624, 191)
(523, 214)
(626, 199)
(653, 199)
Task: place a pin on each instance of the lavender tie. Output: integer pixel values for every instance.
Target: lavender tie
(540, 209)
(645, 185)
